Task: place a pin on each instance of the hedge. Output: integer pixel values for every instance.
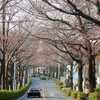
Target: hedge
(69, 92)
(94, 96)
(60, 84)
(12, 95)
(74, 94)
(81, 96)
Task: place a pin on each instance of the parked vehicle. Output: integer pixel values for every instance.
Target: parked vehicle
(42, 77)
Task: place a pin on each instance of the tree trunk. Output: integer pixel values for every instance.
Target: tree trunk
(80, 78)
(7, 77)
(26, 77)
(21, 77)
(91, 73)
(11, 74)
(4, 75)
(7, 81)
(1, 74)
(71, 76)
(3, 45)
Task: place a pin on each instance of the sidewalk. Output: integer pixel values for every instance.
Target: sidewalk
(52, 93)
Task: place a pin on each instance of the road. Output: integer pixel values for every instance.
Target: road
(50, 91)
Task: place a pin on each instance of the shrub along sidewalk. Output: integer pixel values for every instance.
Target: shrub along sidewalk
(12, 95)
(69, 92)
(95, 95)
(78, 95)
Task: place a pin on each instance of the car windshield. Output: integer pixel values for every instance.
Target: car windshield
(34, 90)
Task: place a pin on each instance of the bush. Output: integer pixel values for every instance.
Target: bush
(94, 96)
(74, 94)
(11, 95)
(81, 96)
(65, 89)
(68, 92)
(97, 89)
(60, 84)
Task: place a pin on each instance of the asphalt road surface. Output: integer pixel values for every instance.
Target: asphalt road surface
(49, 91)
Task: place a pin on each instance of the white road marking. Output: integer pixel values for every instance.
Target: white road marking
(44, 94)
